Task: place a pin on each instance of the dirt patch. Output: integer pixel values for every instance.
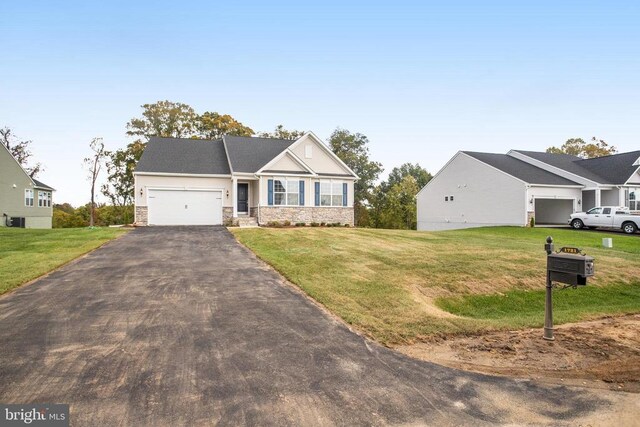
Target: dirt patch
(603, 353)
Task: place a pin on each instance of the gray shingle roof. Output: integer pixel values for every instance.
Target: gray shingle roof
(250, 154)
(519, 169)
(565, 162)
(42, 185)
(180, 155)
(614, 169)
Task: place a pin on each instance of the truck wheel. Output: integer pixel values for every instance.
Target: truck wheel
(577, 224)
(629, 227)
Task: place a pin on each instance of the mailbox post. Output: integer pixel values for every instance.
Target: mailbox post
(548, 302)
(569, 266)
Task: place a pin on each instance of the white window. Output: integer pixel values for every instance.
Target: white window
(331, 193)
(44, 199)
(28, 197)
(631, 199)
(286, 192)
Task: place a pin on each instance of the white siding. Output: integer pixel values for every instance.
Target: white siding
(483, 196)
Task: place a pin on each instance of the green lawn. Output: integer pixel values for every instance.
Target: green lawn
(27, 253)
(402, 286)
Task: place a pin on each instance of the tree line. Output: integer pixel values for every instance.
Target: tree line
(390, 203)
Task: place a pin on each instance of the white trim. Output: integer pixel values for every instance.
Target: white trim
(197, 175)
(325, 148)
(279, 157)
(226, 153)
(535, 162)
(636, 163)
(634, 173)
(288, 174)
(552, 185)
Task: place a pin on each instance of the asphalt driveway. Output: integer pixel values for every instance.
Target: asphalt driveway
(184, 326)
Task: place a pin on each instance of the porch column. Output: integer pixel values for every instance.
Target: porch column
(234, 197)
(598, 195)
(621, 198)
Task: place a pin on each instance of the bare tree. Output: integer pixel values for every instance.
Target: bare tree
(93, 164)
(20, 151)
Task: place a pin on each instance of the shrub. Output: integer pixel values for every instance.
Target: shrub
(336, 224)
(300, 224)
(314, 224)
(322, 224)
(275, 224)
(532, 222)
(286, 223)
(347, 225)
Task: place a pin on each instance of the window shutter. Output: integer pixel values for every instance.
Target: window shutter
(301, 198)
(344, 194)
(317, 194)
(270, 192)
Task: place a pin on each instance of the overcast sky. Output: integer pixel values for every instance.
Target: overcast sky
(422, 80)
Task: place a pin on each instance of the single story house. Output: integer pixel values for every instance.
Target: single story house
(485, 189)
(242, 180)
(24, 201)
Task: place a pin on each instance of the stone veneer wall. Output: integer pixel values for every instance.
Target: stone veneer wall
(141, 215)
(530, 214)
(305, 214)
(227, 216)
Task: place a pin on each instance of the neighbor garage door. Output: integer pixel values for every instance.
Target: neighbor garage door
(553, 211)
(185, 207)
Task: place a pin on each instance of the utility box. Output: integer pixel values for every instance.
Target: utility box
(570, 268)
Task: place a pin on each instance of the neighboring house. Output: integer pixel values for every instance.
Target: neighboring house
(243, 180)
(24, 202)
(484, 189)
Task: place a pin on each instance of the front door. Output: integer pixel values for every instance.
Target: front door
(243, 198)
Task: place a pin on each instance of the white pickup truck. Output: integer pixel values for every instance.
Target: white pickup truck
(607, 217)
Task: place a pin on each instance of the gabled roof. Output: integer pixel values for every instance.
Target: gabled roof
(182, 155)
(520, 169)
(37, 184)
(613, 169)
(41, 185)
(250, 154)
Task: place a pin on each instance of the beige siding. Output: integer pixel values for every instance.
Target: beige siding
(320, 161)
(483, 196)
(286, 163)
(144, 182)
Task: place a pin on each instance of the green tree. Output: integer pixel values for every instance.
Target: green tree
(353, 150)
(281, 133)
(119, 188)
(397, 174)
(399, 210)
(215, 126)
(578, 147)
(165, 119)
(19, 149)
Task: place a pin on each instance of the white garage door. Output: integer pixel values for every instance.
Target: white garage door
(185, 207)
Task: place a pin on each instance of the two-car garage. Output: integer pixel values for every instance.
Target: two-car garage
(184, 207)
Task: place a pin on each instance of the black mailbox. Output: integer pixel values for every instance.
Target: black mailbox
(570, 268)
